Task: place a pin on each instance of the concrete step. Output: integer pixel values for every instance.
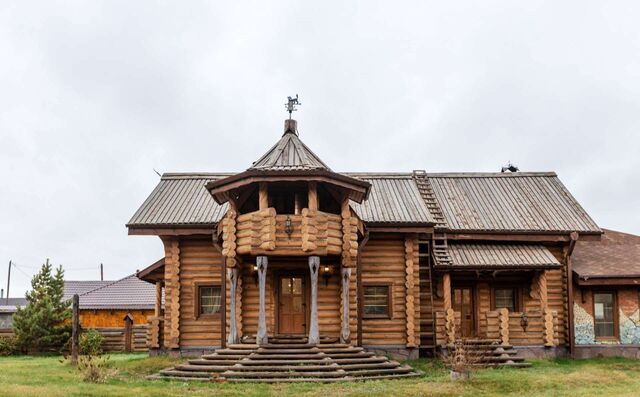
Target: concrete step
(258, 362)
(381, 371)
(190, 374)
(284, 368)
(306, 350)
(360, 354)
(374, 359)
(280, 375)
(311, 356)
(349, 367)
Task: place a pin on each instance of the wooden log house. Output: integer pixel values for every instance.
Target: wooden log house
(400, 263)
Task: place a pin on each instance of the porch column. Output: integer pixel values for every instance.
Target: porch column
(261, 337)
(158, 305)
(446, 291)
(345, 332)
(314, 333)
(232, 276)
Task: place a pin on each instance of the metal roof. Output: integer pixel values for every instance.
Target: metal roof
(180, 199)
(499, 256)
(616, 255)
(12, 305)
(80, 287)
(517, 202)
(129, 293)
(289, 154)
(394, 198)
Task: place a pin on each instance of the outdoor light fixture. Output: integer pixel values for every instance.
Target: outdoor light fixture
(524, 321)
(255, 274)
(288, 227)
(325, 272)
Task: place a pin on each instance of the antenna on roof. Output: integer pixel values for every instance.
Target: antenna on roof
(154, 170)
(291, 105)
(510, 167)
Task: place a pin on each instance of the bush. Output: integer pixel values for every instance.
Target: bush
(91, 342)
(94, 369)
(8, 346)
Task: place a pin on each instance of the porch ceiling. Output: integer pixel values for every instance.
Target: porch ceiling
(497, 256)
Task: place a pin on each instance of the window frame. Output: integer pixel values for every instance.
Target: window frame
(616, 319)
(389, 314)
(517, 295)
(197, 286)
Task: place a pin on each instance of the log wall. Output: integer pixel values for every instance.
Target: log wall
(384, 261)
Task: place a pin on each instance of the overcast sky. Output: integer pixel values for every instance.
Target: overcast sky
(94, 96)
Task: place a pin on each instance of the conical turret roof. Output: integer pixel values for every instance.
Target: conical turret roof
(289, 154)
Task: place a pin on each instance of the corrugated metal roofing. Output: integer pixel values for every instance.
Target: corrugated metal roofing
(473, 255)
(287, 155)
(129, 293)
(520, 202)
(12, 305)
(180, 199)
(394, 198)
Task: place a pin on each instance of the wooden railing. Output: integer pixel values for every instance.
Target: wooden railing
(510, 328)
(264, 232)
(155, 332)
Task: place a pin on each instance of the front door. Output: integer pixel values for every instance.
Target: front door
(463, 303)
(292, 305)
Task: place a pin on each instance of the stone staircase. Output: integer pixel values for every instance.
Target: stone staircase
(288, 360)
(493, 354)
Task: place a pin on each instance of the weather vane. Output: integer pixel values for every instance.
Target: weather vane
(291, 105)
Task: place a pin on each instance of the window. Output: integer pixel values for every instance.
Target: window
(505, 298)
(604, 314)
(208, 300)
(377, 301)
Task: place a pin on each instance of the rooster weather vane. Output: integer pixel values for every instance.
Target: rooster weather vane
(291, 105)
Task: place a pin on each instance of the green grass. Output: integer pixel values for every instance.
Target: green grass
(48, 376)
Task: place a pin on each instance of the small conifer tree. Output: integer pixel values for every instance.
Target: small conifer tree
(42, 325)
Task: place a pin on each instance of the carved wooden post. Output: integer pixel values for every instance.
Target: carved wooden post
(158, 305)
(261, 337)
(314, 333)
(232, 276)
(503, 325)
(345, 332)
(446, 291)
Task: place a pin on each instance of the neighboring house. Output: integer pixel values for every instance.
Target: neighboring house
(117, 309)
(606, 277)
(8, 307)
(400, 263)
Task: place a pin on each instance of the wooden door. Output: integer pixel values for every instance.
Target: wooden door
(292, 313)
(463, 303)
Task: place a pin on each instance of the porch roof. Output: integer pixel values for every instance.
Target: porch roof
(477, 256)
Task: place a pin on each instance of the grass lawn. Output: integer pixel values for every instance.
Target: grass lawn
(47, 376)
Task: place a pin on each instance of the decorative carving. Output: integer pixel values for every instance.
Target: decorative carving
(503, 325)
(450, 326)
(232, 276)
(261, 337)
(314, 333)
(345, 332)
(410, 290)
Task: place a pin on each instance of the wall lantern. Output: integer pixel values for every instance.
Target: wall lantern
(524, 321)
(255, 274)
(288, 227)
(325, 272)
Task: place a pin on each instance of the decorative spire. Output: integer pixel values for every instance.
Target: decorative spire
(291, 105)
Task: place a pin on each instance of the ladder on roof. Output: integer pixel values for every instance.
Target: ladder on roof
(440, 249)
(427, 312)
(429, 197)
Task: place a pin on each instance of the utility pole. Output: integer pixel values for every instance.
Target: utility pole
(8, 283)
(101, 273)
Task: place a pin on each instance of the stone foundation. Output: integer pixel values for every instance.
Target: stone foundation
(628, 351)
(542, 351)
(397, 352)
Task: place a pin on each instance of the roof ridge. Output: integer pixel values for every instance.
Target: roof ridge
(490, 174)
(107, 285)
